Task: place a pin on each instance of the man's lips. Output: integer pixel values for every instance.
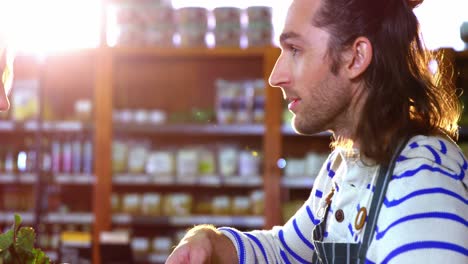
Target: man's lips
(293, 103)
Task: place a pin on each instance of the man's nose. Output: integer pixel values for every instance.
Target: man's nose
(279, 76)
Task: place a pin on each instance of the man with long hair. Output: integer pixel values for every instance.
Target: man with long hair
(394, 188)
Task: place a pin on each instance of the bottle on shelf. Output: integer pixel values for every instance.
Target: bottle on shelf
(77, 155)
(56, 155)
(46, 164)
(31, 158)
(22, 156)
(10, 160)
(67, 155)
(88, 155)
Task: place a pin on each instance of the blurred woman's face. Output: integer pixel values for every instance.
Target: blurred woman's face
(6, 71)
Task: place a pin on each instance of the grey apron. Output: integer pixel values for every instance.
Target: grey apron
(327, 252)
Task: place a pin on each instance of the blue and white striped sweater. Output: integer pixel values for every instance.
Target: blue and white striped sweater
(424, 218)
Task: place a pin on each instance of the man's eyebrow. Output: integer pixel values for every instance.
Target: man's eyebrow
(288, 35)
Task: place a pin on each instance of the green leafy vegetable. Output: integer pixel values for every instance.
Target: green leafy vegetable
(17, 246)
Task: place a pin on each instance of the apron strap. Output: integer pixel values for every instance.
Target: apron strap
(385, 175)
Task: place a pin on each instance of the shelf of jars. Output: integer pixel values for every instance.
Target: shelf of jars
(159, 162)
(179, 208)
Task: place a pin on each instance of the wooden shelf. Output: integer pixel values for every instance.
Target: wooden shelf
(69, 218)
(189, 52)
(74, 179)
(184, 221)
(21, 178)
(190, 129)
(201, 181)
(9, 217)
(50, 218)
(47, 126)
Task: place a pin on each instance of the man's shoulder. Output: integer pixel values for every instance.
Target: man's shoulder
(429, 162)
(432, 151)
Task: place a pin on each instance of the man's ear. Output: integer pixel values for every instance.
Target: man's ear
(358, 57)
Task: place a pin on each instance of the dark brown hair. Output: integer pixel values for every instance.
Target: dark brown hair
(404, 97)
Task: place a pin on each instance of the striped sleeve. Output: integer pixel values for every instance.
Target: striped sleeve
(290, 243)
(424, 218)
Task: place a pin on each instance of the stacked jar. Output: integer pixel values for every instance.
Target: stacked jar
(145, 23)
(260, 27)
(228, 28)
(192, 23)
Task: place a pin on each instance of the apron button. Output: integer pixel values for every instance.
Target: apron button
(360, 218)
(339, 215)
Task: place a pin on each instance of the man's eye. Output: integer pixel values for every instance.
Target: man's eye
(293, 50)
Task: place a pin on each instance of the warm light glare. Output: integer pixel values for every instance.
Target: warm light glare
(43, 26)
(440, 22)
(51, 25)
